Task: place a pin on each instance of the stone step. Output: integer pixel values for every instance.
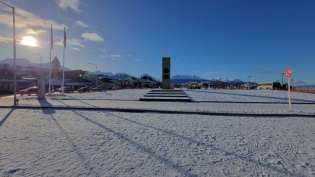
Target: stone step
(179, 93)
(165, 95)
(164, 99)
(165, 90)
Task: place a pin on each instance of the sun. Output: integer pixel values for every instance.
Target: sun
(29, 41)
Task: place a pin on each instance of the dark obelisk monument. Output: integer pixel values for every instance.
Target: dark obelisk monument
(166, 73)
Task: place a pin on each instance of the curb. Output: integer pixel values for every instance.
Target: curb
(163, 111)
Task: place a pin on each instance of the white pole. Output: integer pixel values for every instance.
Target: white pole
(289, 94)
(14, 55)
(63, 71)
(63, 65)
(14, 47)
(49, 90)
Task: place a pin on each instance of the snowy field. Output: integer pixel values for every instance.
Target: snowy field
(263, 96)
(214, 101)
(53, 142)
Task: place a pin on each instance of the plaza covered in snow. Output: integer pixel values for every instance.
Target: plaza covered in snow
(112, 133)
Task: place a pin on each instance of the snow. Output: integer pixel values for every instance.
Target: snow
(215, 101)
(72, 142)
(263, 96)
(257, 96)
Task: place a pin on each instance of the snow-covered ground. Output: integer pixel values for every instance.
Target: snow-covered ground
(215, 101)
(264, 96)
(52, 142)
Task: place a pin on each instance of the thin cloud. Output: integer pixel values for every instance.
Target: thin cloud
(75, 48)
(5, 39)
(25, 19)
(129, 55)
(101, 49)
(92, 37)
(79, 23)
(35, 32)
(72, 4)
(103, 56)
(137, 59)
(268, 72)
(72, 42)
(115, 57)
(215, 72)
(198, 71)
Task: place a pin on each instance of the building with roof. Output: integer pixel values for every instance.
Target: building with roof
(148, 81)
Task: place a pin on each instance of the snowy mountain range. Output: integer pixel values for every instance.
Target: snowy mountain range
(25, 62)
(180, 78)
(193, 77)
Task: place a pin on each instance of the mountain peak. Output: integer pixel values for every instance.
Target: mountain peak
(186, 77)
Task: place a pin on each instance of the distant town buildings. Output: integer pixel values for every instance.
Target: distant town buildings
(27, 76)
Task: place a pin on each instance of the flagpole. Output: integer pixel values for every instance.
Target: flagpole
(63, 71)
(51, 46)
(49, 91)
(63, 65)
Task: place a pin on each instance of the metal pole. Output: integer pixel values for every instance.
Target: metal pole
(95, 71)
(282, 80)
(79, 81)
(63, 72)
(249, 82)
(14, 49)
(49, 83)
(289, 94)
(14, 55)
(49, 90)
(96, 76)
(255, 75)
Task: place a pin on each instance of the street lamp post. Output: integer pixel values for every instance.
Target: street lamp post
(249, 82)
(95, 72)
(80, 75)
(14, 53)
(282, 80)
(255, 74)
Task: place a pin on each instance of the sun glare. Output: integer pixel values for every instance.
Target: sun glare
(29, 41)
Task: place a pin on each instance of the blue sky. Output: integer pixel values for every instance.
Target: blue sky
(210, 39)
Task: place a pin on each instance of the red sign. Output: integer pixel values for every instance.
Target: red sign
(288, 72)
